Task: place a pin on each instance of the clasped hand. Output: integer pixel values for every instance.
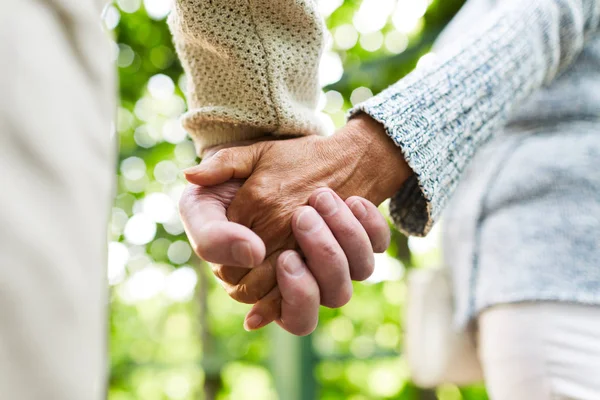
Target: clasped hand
(271, 219)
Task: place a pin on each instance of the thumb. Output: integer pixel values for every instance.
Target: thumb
(226, 164)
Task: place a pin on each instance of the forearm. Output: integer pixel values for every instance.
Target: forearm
(252, 68)
(440, 116)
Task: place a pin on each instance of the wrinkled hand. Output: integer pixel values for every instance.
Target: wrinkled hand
(294, 303)
(281, 175)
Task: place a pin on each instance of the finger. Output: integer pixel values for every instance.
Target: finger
(214, 239)
(324, 257)
(348, 232)
(297, 296)
(265, 311)
(257, 283)
(299, 293)
(372, 221)
(226, 164)
(230, 276)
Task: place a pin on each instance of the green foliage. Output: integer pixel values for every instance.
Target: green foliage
(174, 333)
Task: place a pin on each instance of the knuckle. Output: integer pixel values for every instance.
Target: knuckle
(260, 193)
(352, 199)
(383, 237)
(332, 302)
(345, 295)
(379, 223)
(230, 275)
(262, 182)
(302, 329)
(364, 270)
(254, 286)
(340, 298)
(242, 294)
(347, 231)
(310, 329)
(257, 196)
(382, 244)
(331, 251)
(301, 295)
(222, 156)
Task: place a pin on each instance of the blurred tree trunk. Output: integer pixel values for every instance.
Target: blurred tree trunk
(428, 394)
(212, 376)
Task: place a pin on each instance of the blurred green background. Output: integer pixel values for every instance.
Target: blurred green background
(174, 333)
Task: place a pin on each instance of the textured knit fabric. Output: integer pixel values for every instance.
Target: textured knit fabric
(510, 115)
(252, 67)
(524, 223)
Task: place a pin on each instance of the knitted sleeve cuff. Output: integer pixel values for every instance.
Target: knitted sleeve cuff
(252, 68)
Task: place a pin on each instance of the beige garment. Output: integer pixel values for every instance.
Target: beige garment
(56, 106)
(252, 67)
(541, 351)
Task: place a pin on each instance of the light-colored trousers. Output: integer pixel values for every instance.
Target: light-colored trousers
(56, 159)
(541, 351)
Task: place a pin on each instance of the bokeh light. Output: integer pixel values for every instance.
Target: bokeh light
(327, 7)
(331, 69)
(360, 94)
(345, 36)
(140, 229)
(372, 17)
(158, 9)
(129, 6)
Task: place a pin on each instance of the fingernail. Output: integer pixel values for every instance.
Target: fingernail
(293, 265)
(308, 220)
(242, 253)
(252, 322)
(326, 204)
(358, 209)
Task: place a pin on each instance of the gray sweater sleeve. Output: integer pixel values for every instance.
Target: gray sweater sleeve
(441, 115)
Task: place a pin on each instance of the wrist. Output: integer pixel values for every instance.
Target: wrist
(380, 160)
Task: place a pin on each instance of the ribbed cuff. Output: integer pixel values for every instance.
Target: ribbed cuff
(207, 133)
(410, 208)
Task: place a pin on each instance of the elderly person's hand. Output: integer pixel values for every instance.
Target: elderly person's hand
(294, 303)
(281, 175)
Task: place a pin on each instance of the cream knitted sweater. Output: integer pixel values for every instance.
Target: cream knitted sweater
(252, 67)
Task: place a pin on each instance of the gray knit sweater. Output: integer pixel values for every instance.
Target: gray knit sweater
(507, 123)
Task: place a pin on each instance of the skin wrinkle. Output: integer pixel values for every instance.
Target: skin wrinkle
(248, 292)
